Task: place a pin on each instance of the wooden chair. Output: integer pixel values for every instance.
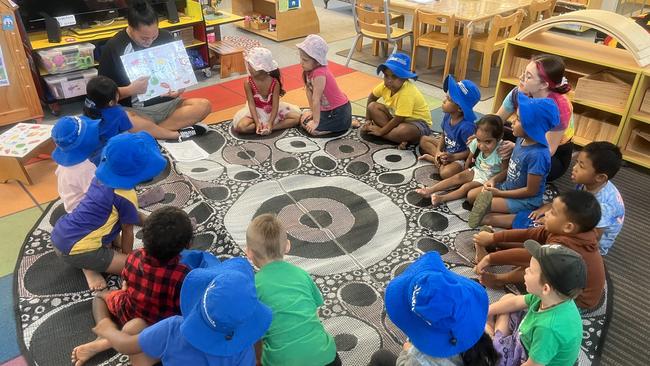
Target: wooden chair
(538, 10)
(434, 31)
(372, 19)
(501, 28)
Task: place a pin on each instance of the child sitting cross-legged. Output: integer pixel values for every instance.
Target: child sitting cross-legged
(152, 278)
(83, 238)
(296, 336)
(595, 166)
(264, 112)
(488, 164)
(543, 327)
(404, 115)
(221, 321)
(529, 165)
(570, 222)
(450, 151)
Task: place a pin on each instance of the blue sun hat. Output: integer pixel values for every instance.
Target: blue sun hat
(222, 315)
(129, 159)
(400, 65)
(76, 138)
(538, 116)
(442, 313)
(464, 93)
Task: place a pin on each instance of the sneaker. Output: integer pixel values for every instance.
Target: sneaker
(480, 209)
(186, 133)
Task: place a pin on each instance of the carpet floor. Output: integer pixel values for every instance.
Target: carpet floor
(353, 219)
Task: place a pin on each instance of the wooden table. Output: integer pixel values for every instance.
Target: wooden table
(467, 12)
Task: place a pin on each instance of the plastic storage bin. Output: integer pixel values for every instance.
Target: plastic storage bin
(69, 85)
(67, 58)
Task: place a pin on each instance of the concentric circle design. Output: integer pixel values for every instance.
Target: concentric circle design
(355, 340)
(323, 162)
(204, 170)
(377, 226)
(346, 149)
(248, 154)
(427, 175)
(394, 159)
(296, 145)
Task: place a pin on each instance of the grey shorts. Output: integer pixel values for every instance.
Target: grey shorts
(422, 126)
(157, 112)
(98, 260)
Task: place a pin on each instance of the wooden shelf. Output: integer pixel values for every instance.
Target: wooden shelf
(580, 141)
(290, 24)
(599, 106)
(195, 43)
(225, 18)
(641, 117)
(511, 80)
(262, 32)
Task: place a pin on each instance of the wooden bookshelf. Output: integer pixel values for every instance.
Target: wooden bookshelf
(620, 122)
(293, 23)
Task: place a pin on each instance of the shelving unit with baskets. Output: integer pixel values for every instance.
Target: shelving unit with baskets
(606, 85)
(290, 23)
(190, 28)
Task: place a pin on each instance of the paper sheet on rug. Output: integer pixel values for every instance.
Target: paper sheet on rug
(4, 79)
(167, 65)
(185, 151)
(22, 138)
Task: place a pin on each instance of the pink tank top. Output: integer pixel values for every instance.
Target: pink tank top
(332, 97)
(260, 102)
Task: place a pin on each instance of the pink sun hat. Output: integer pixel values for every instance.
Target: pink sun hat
(261, 58)
(316, 47)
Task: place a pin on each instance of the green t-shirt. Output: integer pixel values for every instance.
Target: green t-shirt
(551, 337)
(296, 336)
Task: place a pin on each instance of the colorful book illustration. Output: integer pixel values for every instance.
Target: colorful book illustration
(168, 67)
(22, 138)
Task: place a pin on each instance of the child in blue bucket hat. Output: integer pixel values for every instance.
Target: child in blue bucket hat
(221, 321)
(529, 165)
(83, 237)
(404, 115)
(76, 138)
(442, 314)
(450, 151)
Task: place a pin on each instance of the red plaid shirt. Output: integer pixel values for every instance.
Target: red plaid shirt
(153, 289)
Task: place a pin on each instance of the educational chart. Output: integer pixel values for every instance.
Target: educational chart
(168, 67)
(21, 139)
(4, 80)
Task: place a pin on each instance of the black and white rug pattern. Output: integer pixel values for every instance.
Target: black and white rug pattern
(353, 218)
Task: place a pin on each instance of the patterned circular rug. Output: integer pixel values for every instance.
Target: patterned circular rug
(354, 223)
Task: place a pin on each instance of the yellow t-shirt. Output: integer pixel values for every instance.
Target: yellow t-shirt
(408, 102)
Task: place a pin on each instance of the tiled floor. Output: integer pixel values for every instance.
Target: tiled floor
(18, 213)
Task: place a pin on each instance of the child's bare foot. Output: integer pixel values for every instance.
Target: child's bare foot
(481, 252)
(356, 123)
(491, 280)
(365, 127)
(403, 145)
(95, 280)
(86, 351)
(427, 157)
(437, 200)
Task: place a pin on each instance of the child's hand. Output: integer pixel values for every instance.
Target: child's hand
(442, 158)
(537, 214)
(505, 149)
(483, 238)
(311, 126)
(104, 326)
(470, 139)
(407, 346)
(480, 267)
(373, 129)
(490, 188)
(305, 116)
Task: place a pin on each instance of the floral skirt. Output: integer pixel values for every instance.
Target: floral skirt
(510, 349)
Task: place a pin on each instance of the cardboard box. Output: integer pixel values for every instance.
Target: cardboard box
(639, 142)
(603, 88)
(645, 104)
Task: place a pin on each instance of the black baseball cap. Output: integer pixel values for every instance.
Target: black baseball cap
(563, 267)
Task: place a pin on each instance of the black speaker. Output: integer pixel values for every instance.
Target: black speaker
(52, 27)
(172, 11)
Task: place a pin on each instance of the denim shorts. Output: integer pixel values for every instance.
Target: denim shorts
(336, 120)
(516, 205)
(422, 126)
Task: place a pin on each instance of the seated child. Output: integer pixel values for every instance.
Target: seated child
(221, 321)
(450, 151)
(570, 222)
(529, 164)
(296, 335)
(152, 278)
(488, 164)
(442, 314)
(550, 332)
(76, 138)
(264, 112)
(83, 237)
(330, 110)
(404, 115)
(595, 166)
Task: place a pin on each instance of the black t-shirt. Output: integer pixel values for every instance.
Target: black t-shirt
(110, 64)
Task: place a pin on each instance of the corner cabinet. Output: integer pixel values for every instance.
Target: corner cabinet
(290, 23)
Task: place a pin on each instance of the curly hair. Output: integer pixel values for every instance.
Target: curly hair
(166, 232)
